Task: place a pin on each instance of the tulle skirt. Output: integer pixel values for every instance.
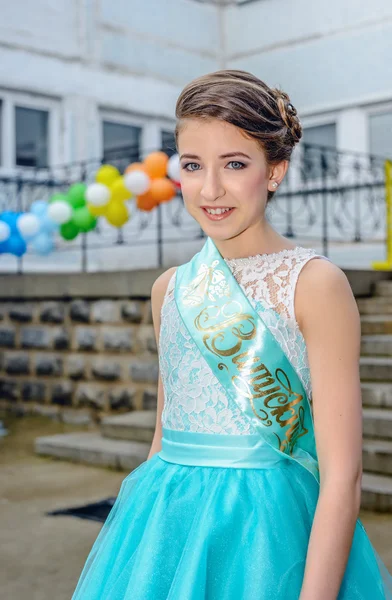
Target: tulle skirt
(217, 517)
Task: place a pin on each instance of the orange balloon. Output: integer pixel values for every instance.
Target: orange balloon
(146, 201)
(136, 166)
(156, 164)
(162, 189)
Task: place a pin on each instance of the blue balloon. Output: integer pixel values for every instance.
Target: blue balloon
(42, 244)
(11, 218)
(39, 208)
(47, 225)
(15, 245)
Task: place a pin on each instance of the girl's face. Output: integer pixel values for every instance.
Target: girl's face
(222, 169)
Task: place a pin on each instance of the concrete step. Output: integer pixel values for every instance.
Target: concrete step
(377, 423)
(377, 456)
(376, 394)
(94, 449)
(375, 368)
(376, 492)
(138, 425)
(376, 324)
(376, 345)
(384, 288)
(381, 305)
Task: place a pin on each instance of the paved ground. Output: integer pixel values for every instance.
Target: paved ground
(40, 556)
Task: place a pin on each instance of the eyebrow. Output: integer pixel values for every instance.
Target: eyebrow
(228, 155)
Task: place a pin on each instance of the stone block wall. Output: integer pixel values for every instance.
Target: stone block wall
(94, 354)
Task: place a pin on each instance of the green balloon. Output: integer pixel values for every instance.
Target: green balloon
(69, 231)
(58, 197)
(93, 223)
(83, 219)
(76, 195)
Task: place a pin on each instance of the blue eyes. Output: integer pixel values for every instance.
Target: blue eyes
(233, 162)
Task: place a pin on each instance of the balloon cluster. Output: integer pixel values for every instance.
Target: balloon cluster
(35, 228)
(72, 213)
(151, 182)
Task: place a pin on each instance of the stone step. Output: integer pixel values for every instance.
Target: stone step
(384, 288)
(377, 456)
(138, 425)
(376, 492)
(376, 394)
(93, 449)
(377, 423)
(376, 324)
(381, 305)
(376, 345)
(376, 368)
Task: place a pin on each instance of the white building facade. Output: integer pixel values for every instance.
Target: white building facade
(72, 70)
(81, 77)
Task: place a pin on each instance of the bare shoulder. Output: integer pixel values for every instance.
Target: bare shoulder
(323, 291)
(159, 288)
(320, 273)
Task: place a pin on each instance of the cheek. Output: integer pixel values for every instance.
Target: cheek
(189, 188)
(252, 186)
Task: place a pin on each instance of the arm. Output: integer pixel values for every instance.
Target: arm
(158, 291)
(328, 318)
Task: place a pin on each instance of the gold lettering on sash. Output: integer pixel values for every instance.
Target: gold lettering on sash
(271, 396)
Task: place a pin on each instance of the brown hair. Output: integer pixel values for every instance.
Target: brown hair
(238, 97)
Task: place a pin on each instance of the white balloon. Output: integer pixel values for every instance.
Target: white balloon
(28, 225)
(5, 231)
(98, 194)
(137, 182)
(60, 212)
(173, 167)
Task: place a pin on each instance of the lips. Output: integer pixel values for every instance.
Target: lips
(220, 216)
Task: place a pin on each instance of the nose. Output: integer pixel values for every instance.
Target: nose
(212, 186)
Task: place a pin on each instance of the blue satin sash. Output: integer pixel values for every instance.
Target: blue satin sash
(203, 449)
(245, 356)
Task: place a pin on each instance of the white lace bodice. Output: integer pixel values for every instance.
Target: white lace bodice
(194, 400)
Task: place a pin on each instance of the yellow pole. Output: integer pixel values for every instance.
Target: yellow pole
(387, 264)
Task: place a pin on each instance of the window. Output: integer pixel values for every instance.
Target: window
(121, 142)
(380, 126)
(169, 143)
(319, 152)
(31, 137)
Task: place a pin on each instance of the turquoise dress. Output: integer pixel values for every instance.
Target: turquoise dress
(217, 514)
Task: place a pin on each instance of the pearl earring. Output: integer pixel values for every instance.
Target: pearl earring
(275, 185)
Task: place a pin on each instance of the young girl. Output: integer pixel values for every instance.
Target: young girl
(252, 487)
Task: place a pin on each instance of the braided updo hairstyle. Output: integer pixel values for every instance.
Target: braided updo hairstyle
(238, 97)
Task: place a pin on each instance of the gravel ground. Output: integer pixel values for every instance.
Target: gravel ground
(40, 556)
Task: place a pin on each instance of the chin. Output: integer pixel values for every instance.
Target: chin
(218, 234)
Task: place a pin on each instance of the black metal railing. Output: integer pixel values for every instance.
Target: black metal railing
(327, 196)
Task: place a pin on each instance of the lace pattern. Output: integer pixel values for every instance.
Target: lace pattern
(194, 398)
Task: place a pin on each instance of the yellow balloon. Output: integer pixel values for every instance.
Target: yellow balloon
(107, 174)
(119, 191)
(117, 213)
(97, 211)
